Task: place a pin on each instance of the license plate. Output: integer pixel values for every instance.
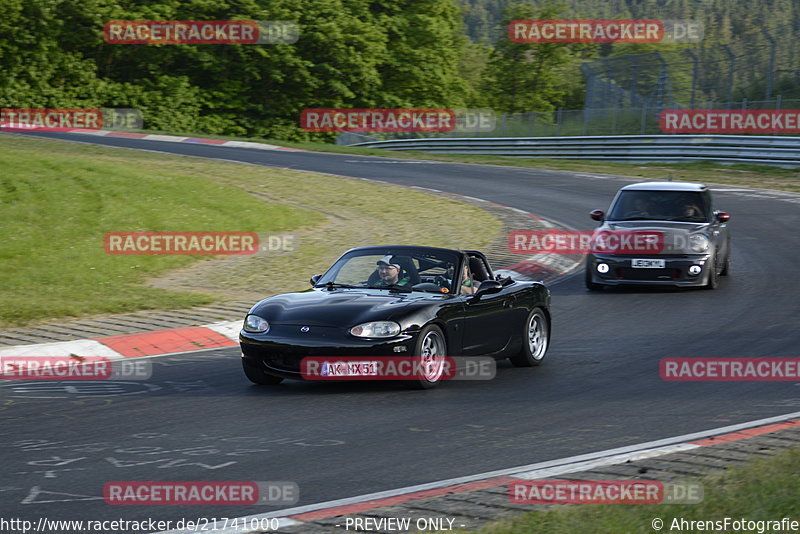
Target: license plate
(648, 264)
(345, 368)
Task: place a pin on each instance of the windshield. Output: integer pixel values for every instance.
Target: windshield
(397, 269)
(684, 206)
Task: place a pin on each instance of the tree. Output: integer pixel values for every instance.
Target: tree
(525, 77)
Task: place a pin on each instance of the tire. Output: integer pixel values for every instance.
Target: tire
(591, 286)
(727, 268)
(259, 376)
(536, 340)
(430, 352)
(713, 277)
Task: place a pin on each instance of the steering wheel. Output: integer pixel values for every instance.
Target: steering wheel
(441, 281)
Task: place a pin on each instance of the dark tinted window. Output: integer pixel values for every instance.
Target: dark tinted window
(688, 206)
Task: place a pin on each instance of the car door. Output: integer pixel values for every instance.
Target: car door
(488, 322)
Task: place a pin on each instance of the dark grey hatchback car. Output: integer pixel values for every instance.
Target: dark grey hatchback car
(694, 243)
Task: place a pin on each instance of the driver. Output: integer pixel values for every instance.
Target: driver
(692, 211)
(389, 272)
(642, 205)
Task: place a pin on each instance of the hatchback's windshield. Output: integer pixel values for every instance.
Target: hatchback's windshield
(394, 269)
(686, 206)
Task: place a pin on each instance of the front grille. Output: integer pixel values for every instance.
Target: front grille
(655, 275)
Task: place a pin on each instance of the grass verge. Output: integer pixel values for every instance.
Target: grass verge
(58, 199)
(764, 489)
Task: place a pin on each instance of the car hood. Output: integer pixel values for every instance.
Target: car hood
(654, 225)
(338, 308)
(675, 234)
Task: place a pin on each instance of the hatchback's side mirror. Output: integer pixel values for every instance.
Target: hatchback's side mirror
(315, 279)
(597, 215)
(723, 217)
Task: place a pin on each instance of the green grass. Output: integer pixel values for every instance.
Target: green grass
(58, 199)
(767, 489)
(56, 209)
(747, 175)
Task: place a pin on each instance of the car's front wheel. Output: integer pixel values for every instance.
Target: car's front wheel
(727, 268)
(591, 286)
(259, 376)
(536, 340)
(429, 357)
(713, 276)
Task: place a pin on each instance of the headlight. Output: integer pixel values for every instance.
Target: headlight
(699, 243)
(376, 329)
(254, 323)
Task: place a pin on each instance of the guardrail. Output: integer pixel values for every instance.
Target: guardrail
(765, 150)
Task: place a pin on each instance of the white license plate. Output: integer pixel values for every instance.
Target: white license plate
(345, 368)
(648, 264)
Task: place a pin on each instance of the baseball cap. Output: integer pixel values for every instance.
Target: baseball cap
(388, 261)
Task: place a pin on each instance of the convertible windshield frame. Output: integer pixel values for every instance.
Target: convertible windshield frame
(427, 263)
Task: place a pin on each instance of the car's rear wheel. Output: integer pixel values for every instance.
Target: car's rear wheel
(429, 356)
(713, 276)
(591, 286)
(536, 340)
(259, 376)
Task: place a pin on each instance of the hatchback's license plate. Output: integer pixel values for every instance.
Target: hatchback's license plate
(351, 368)
(648, 264)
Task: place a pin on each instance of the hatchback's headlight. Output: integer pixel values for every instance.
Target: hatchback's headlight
(699, 243)
(376, 329)
(255, 324)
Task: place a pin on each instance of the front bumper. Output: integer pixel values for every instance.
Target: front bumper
(280, 351)
(675, 271)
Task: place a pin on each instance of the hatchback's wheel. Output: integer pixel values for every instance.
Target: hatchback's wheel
(259, 376)
(429, 358)
(590, 285)
(727, 269)
(536, 339)
(713, 276)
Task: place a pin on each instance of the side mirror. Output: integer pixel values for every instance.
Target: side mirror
(488, 287)
(315, 279)
(723, 217)
(597, 215)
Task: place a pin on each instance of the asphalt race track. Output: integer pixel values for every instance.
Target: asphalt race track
(599, 388)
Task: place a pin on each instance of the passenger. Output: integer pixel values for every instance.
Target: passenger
(468, 286)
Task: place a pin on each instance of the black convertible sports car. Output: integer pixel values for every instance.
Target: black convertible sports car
(423, 303)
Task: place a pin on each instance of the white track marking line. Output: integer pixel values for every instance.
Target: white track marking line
(81, 347)
(229, 329)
